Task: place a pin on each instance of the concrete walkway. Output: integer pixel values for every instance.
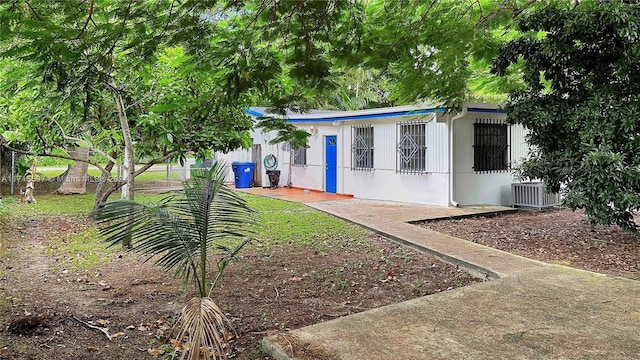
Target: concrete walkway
(392, 220)
(547, 313)
(531, 311)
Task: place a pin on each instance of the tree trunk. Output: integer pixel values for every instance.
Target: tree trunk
(29, 190)
(1, 177)
(103, 190)
(75, 180)
(128, 159)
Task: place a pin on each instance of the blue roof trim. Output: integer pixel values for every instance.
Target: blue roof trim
(253, 113)
(489, 111)
(338, 117)
(368, 116)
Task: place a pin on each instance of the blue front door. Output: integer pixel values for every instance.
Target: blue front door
(331, 164)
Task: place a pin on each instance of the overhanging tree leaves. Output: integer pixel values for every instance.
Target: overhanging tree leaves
(424, 48)
(582, 104)
(89, 73)
(81, 50)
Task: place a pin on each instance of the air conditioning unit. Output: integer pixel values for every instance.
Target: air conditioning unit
(534, 195)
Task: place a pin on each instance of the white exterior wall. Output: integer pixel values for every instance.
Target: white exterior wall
(519, 146)
(471, 188)
(245, 156)
(383, 183)
(312, 176)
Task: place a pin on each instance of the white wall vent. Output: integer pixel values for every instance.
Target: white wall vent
(533, 194)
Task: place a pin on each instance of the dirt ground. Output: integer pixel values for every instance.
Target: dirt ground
(558, 236)
(126, 309)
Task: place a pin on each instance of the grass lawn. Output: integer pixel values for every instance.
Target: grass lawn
(156, 173)
(281, 222)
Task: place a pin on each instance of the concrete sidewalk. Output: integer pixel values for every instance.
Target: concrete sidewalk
(531, 311)
(392, 220)
(547, 313)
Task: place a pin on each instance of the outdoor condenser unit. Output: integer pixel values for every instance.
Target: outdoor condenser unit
(533, 194)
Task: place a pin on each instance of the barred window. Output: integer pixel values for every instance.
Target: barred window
(300, 157)
(490, 146)
(362, 148)
(411, 147)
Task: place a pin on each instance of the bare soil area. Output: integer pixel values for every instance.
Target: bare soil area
(127, 309)
(558, 236)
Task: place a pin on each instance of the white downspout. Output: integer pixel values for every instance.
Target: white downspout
(452, 201)
(343, 154)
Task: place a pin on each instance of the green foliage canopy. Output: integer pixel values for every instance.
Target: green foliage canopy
(581, 104)
(62, 57)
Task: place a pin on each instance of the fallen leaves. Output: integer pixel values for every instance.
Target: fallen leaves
(179, 345)
(159, 326)
(336, 281)
(99, 322)
(118, 334)
(557, 236)
(155, 352)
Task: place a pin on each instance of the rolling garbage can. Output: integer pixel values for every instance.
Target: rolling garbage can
(243, 173)
(274, 178)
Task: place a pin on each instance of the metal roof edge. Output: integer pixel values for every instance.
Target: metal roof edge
(407, 110)
(365, 116)
(255, 113)
(484, 110)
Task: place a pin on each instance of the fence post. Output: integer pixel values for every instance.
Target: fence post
(168, 174)
(13, 169)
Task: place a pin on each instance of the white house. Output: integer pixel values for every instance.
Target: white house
(415, 154)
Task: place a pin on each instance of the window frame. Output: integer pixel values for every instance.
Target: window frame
(362, 147)
(411, 147)
(300, 157)
(491, 146)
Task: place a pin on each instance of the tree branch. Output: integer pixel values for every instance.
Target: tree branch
(159, 160)
(86, 23)
(103, 330)
(33, 11)
(74, 139)
(6, 145)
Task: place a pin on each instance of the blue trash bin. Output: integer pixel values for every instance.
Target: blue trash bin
(243, 173)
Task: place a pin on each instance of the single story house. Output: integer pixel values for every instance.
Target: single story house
(415, 154)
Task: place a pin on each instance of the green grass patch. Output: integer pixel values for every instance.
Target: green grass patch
(55, 205)
(88, 251)
(156, 173)
(49, 173)
(85, 250)
(4, 211)
(284, 222)
(63, 204)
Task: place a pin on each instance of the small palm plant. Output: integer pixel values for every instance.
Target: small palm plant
(185, 234)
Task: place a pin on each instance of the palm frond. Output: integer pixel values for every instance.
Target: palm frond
(206, 328)
(181, 232)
